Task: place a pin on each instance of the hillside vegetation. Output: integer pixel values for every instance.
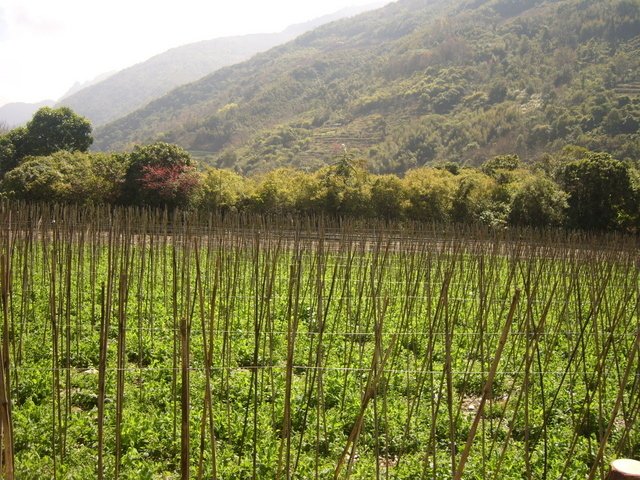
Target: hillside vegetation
(47, 161)
(415, 83)
(134, 87)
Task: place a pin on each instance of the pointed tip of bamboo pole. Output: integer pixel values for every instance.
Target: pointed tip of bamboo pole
(623, 469)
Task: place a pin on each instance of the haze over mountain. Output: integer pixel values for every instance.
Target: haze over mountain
(132, 88)
(414, 83)
(15, 114)
(18, 113)
(78, 86)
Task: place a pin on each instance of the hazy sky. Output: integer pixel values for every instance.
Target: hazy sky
(47, 45)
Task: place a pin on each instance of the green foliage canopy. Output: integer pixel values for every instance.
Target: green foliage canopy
(601, 191)
(160, 175)
(67, 177)
(49, 131)
(54, 129)
(538, 202)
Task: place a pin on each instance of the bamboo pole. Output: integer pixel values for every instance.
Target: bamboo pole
(6, 427)
(488, 386)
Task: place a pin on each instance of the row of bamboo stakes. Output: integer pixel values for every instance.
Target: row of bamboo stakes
(347, 299)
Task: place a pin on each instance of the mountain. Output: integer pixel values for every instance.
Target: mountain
(16, 114)
(132, 88)
(416, 82)
(78, 86)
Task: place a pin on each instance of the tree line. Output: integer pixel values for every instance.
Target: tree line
(48, 160)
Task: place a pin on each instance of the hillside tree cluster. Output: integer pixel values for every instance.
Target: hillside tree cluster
(48, 161)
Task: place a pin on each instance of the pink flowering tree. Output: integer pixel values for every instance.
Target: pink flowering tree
(161, 175)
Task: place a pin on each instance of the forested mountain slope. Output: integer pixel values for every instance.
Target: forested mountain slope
(414, 83)
(132, 88)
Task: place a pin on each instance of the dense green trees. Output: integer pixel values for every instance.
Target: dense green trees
(429, 194)
(54, 129)
(49, 131)
(222, 190)
(576, 188)
(388, 197)
(344, 188)
(602, 193)
(160, 175)
(65, 176)
(12, 148)
(538, 201)
(278, 191)
(474, 196)
(7, 153)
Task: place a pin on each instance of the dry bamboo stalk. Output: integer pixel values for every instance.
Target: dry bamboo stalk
(376, 371)
(486, 391)
(175, 326)
(102, 366)
(105, 326)
(616, 408)
(56, 414)
(121, 364)
(207, 346)
(67, 347)
(292, 324)
(185, 399)
(6, 426)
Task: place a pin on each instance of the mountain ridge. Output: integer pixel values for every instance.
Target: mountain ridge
(17, 113)
(131, 88)
(79, 86)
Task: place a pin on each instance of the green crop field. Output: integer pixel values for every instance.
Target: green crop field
(141, 346)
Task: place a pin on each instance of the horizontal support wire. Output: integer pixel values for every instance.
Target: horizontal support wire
(88, 371)
(251, 334)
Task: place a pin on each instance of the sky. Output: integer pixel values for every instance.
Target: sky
(48, 45)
